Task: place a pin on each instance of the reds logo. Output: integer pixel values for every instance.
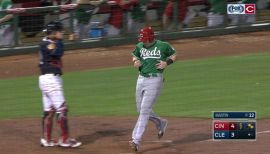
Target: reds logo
(156, 54)
(250, 9)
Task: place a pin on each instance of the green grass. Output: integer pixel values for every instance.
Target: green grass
(193, 88)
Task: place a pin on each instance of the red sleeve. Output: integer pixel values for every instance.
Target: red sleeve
(182, 10)
(169, 9)
(130, 3)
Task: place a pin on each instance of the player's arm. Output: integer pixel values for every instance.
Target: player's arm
(136, 58)
(6, 18)
(164, 64)
(97, 2)
(55, 49)
(171, 53)
(136, 62)
(171, 59)
(6, 5)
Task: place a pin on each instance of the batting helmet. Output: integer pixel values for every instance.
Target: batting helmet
(53, 26)
(146, 35)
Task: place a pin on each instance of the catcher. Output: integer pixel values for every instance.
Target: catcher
(50, 84)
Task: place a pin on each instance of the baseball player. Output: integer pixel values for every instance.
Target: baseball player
(151, 57)
(50, 84)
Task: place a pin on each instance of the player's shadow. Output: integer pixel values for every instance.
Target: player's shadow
(87, 139)
(193, 138)
(188, 139)
(164, 146)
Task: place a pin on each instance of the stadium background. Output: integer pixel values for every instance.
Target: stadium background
(229, 72)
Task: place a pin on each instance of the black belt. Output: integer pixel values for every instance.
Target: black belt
(151, 75)
(55, 74)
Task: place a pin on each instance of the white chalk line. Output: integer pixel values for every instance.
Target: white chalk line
(157, 141)
(161, 141)
(262, 132)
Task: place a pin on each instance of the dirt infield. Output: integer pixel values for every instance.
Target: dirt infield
(102, 135)
(109, 135)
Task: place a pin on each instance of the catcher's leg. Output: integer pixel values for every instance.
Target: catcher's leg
(59, 103)
(47, 119)
(57, 98)
(47, 124)
(62, 121)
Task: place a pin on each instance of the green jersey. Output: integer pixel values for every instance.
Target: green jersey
(218, 6)
(4, 4)
(83, 16)
(149, 56)
(138, 11)
(249, 1)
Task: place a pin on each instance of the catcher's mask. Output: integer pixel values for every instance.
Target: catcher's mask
(53, 26)
(146, 35)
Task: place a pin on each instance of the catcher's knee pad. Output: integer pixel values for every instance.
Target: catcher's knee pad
(48, 114)
(47, 117)
(45, 114)
(62, 111)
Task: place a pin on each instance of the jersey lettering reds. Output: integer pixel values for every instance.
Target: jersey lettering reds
(50, 56)
(149, 56)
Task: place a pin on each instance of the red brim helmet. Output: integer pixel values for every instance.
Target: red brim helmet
(146, 35)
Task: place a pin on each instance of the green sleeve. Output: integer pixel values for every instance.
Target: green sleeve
(170, 50)
(6, 4)
(249, 1)
(136, 52)
(83, 16)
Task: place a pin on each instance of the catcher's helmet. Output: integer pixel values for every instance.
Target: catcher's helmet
(146, 35)
(53, 26)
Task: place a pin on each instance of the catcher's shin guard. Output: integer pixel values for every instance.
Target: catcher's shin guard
(63, 122)
(47, 124)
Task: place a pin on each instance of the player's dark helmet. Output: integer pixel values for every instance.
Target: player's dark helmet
(53, 26)
(146, 35)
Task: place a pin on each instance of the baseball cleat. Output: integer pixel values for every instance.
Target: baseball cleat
(163, 126)
(45, 143)
(134, 146)
(69, 143)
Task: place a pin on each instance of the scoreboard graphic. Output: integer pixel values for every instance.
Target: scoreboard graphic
(234, 126)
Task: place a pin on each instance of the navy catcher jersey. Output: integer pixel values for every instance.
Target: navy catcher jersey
(50, 56)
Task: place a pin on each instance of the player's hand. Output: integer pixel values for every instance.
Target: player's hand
(137, 64)
(161, 65)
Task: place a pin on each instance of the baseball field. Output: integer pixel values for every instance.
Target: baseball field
(222, 73)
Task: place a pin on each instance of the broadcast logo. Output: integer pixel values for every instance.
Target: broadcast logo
(241, 8)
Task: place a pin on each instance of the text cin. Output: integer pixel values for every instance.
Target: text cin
(219, 126)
